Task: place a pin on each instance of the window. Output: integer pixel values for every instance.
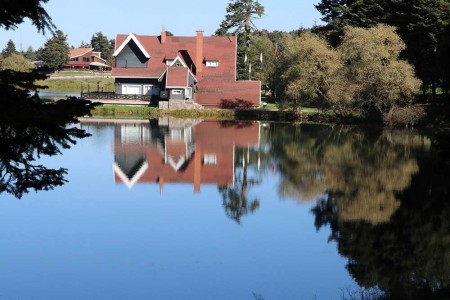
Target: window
(212, 63)
(74, 59)
(86, 59)
(177, 92)
(209, 159)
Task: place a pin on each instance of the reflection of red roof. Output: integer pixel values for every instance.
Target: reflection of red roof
(211, 138)
(79, 52)
(177, 76)
(221, 48)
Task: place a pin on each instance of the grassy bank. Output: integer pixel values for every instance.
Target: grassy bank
(73, 85)
(209, 114)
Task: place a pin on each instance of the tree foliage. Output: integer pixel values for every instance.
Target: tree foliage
(16, 62)
(55, 51)
(10, 49)
(13, 13)
(100, 43)
(239, 21)
(422, 25)
(363, 73)
(30, 129)
(30, 54)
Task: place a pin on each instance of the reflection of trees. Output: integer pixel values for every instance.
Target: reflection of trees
(409, 256)
(235, 198)
(361, 170)
(29, 130)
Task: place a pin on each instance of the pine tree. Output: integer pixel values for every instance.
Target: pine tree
(240, 16)
(10, 49)
(55, 51)
(30, 54)
(100, 43)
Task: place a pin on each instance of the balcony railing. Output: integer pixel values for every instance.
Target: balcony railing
(114, 96)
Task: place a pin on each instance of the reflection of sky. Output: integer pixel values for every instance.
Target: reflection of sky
(91, 239)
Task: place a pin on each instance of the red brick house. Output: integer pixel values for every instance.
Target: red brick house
(198, 68)
(180, 153)
(86, 59)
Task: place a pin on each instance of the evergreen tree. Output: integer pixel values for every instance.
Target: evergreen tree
(100, 43)
(239, 21)
(10, 49)
(30, 54)
(84, 45)
(240, 15)
(13, 13)
(55, 51)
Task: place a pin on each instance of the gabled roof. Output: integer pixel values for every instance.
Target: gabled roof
(138, 43)
(79, 52)
(221, 48)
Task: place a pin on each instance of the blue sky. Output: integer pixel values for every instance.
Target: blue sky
(80, 19)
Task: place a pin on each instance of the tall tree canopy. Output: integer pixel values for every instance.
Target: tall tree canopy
(239, 21)
(239, 17)
(100, 43)
(422, 25)
(10, 49)
(13, 13)
(55, 51)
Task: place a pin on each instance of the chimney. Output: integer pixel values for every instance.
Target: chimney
(163, 36)
(199, 59)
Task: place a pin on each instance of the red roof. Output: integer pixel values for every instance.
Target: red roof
(79, 52)
(177, 76)
(221, 48)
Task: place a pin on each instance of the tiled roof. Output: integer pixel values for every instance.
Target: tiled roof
(221, 48)
(79, 52)
(177, 76)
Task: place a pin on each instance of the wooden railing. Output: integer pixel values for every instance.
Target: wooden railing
(114, 96)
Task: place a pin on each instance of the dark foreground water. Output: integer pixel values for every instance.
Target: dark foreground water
(171, 209)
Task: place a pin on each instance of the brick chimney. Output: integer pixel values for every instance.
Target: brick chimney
(163, 36)
(199, 58)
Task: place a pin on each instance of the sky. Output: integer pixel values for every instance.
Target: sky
(80, 19)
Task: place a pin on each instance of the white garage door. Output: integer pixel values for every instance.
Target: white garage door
(131, 89)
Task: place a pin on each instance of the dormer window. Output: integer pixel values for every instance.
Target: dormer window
(212, 63)
(177, 62)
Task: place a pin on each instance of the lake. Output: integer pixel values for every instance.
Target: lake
(190, 209)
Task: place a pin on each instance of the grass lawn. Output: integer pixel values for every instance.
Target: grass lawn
(79, 73)
(73, 85)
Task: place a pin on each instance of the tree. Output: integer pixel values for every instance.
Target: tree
(30, 129)
(13, 13)
(56, 51)
(374, 70)
(239, 21)
(16, 62)
(240, 15)
(30, 54)
(84, 45)
(422, 26)
(10, 49)
(307, 65)
(101, 44)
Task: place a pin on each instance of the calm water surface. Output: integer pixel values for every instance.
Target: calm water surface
(183, 209)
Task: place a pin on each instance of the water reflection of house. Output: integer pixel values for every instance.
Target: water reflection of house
(180, 152)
